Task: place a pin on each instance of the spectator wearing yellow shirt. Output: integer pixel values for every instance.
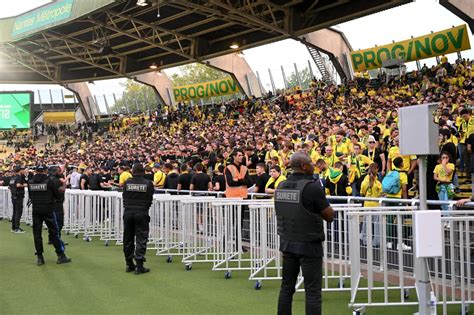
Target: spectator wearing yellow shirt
(340, 147)
(409, 161)
(271, 152)
(275, 179)
(125, 174)
(443, 174)
(357, 164)
(329, 157)
(159, 177)
(371, 187)
(286, 153)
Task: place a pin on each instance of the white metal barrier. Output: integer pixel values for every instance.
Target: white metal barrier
(265, 256)
(372, 246)
(390, 269)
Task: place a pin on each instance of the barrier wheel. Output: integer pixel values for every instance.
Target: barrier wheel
(67, 232)
(189, 267)
(76, 235)
(228, 275)
(258, 285)
(359, 311)
(341, 284)
(87, 239)
(169, 259)
(406, 294)
(106, 243)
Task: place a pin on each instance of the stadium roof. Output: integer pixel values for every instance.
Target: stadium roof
(74, 41)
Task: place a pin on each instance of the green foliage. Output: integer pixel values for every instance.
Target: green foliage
(136, 97)
(196, 73)
(304, 76)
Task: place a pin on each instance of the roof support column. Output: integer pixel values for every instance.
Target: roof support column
(160, 82)
(84, 96)
(240, 70)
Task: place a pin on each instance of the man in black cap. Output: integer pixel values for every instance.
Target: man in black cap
(43, 191)
(17, 186)
(137, 199)
(301, 207)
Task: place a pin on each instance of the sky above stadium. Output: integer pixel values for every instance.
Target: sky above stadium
(414, 19)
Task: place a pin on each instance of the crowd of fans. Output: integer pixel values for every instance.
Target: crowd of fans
(350, 132)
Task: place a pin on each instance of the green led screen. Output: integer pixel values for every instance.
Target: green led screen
(15, 108)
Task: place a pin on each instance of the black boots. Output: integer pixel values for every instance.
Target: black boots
(130, 266)
(40, 260)
(140, 268)
(62, 259)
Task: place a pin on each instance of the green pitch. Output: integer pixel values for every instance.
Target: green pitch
(96, 283)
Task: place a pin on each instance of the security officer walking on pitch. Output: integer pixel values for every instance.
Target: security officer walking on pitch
(43, 191)
(301, 207)
(17, 186)
(137, 199)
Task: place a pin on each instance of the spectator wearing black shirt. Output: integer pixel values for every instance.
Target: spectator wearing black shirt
(84, 181)
(171, 180)
(149, 173)
(184, 180)
(262, 179)
(376, 155)
(105, 179)
(200, 181)
(219, 179)
(94, 180)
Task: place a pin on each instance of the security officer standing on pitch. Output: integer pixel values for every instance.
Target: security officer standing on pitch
(301, 207)
(137, 199)
(43, 191)
(58, 178)
(17, 186)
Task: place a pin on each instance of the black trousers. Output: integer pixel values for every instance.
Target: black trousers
(312, 268)
(136, 230)
(49, 218)
(59, 213)
(17, 212)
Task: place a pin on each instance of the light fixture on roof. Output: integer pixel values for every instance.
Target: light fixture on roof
(153, 66)
(234, 46)
(142, 3)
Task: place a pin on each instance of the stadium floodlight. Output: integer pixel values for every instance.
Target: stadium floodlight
(142, 3)
(234, 46)
(153, 66)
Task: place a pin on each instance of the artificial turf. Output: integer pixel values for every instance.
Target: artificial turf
(96, 283)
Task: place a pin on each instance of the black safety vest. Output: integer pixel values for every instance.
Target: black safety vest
(137, 194)
(40, 194)
(294, 222)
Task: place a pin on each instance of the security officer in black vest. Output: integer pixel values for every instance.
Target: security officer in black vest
(43, 191)
(58, 178)
(17, 186)
(301, 207)
(137, 199)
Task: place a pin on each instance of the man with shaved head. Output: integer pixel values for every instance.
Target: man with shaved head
(301, 207)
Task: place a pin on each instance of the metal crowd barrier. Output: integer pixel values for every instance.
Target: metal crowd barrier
(265, 256)
(373, 247)
(391, 270)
